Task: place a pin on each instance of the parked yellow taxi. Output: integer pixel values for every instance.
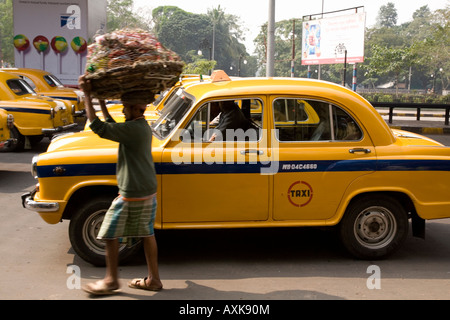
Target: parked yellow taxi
(6, 124)
(47, 84)
(34, 116)
(316, 154)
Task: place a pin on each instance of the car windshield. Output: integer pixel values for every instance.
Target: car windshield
(53, 81)
(20, 87)
(161, 97)
(174, 111)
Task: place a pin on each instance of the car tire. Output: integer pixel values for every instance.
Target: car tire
(374, 227)
(84, 227)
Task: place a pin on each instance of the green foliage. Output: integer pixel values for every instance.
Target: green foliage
(199, 66)
(407, 98)
(120, 15)
(6, 32)
(387, 16)
(216, 34)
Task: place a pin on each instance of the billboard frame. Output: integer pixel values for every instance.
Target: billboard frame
(312, 34)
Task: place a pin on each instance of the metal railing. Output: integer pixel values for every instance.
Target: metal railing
(417, 107)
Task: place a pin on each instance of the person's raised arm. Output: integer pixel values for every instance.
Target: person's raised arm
(85, 86)
(104, 109)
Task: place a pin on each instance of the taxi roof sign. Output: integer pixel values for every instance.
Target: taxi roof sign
(219, 75)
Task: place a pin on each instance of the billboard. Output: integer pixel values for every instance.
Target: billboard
(325, 40)
(53, 35)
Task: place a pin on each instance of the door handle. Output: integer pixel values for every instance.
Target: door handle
(360, 150)
(258, 152)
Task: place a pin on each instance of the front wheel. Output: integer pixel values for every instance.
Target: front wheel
(83, 230)
(374, 227)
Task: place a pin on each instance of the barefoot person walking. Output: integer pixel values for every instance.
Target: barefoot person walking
(132, 213)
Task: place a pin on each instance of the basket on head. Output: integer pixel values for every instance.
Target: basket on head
(131, 60)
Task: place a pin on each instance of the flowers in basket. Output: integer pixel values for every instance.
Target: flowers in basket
(130, 60)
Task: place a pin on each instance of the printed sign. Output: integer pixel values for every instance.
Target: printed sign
(300, 194)
(326, 40)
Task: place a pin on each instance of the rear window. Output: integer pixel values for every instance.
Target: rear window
(53, 81)
(19, 87)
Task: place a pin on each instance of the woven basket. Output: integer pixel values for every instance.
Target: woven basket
(131, 61)
(144, 78)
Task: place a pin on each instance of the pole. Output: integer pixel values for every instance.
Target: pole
(293, 50)
(345, 68)
(354, 78)
(270, 72)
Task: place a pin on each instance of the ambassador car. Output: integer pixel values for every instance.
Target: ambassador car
(34, 116)
(47, 84)
(311, 154)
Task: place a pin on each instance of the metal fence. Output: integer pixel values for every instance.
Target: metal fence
(418, 107)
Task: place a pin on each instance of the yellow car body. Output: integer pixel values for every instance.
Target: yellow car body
(34, 116)
(6, 124)
(46, 84)
(349, 169)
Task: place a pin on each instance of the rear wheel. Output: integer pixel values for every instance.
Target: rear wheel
(83, 230)
(374, 227)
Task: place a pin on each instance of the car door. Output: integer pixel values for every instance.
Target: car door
(322, 149)
(217, 181)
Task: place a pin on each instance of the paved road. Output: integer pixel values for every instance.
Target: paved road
(37, 261)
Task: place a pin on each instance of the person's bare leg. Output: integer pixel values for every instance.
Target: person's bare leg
(151, 256)
(112, 264)
(110, 283)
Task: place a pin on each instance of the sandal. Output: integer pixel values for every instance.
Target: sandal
(140, 283)
(99, 288)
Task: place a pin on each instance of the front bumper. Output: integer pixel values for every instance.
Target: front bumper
(7, 143)
(60, 129)
(29, 203)
(80, 113)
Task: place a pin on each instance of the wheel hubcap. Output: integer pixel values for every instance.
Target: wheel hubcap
(90, 232)
(375, 227)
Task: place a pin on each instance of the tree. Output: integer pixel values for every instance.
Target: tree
(283, 48)
(121, 15)
(199, 65)
(6, 32)
(434, 52)
(180, 31)
(387, 16)
(389, 61)
(216, 17)
(187, 33)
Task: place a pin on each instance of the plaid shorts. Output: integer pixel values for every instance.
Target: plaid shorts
(129, 219)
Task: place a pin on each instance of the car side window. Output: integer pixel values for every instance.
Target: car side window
(226, 120)
(312, 120)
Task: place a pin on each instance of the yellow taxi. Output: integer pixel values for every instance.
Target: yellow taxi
(34, 116)
(47, 84)
(315, 155)
(6, 124)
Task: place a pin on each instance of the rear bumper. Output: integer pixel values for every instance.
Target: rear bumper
(60, 129)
